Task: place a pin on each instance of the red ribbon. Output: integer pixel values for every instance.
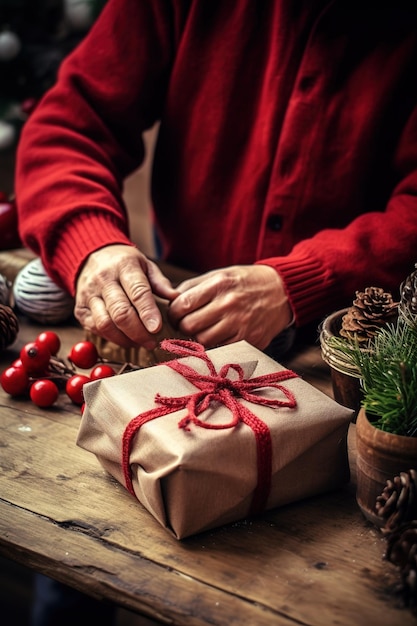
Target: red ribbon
(216, 387)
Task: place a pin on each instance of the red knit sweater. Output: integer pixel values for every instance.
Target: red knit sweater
(288, 136)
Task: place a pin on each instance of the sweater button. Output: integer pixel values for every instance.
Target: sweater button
(307, 83)
(274, 222)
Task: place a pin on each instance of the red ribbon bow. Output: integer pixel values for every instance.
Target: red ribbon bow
(217, 387)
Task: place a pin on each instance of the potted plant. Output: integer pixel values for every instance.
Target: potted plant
(386, 426)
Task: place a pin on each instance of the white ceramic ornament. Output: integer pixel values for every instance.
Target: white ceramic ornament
(78, 14)
(5, 290)
(9, 45)
(7, 135)
(39, 297)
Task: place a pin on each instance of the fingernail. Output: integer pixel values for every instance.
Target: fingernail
(152, 324)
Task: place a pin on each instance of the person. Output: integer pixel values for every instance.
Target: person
(284, 175)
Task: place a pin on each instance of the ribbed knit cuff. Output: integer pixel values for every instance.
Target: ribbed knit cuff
(310, 289)
(85, 234)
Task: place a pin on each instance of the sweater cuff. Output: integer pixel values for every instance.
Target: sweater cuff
(309, 287)
(82, 236)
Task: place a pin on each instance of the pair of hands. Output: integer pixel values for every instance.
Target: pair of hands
(115, 299)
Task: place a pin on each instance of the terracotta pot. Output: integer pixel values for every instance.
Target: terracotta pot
(379, 457)
(344, 375)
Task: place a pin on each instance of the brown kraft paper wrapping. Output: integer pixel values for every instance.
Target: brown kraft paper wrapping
(192, 478)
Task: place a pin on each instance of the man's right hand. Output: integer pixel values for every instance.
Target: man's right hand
(115, 296)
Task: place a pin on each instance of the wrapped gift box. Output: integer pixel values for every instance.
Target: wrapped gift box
(213, 437)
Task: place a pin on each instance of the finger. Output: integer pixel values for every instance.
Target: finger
(189, 283)
(219, 323)
(97, 320)
(199, 320)
(192, 300)
(217, 335)
(126, 317)
(160, 284)
(133, 304)
(210, 324)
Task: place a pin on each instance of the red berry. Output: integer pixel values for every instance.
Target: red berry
(44, 393)
(74, 387)
(28, 105)
(83, 354)
(50, 340)
(15, 381)
(35, 357)
(101, 371)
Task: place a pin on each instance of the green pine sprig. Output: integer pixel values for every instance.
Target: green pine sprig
(388, 371)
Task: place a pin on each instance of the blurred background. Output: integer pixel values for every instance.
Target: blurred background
(35, 36)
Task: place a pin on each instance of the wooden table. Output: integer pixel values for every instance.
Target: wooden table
(317, 562)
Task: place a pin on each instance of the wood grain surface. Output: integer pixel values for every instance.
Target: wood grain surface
(316, 562)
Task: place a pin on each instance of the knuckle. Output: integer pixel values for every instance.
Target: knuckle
(82, 314)
(188, 328)
(138, 291)
(120, 312)
(187, 301)
(102, 324)
(93, 281)
(226, 281)
(218, 280)
(230, 300)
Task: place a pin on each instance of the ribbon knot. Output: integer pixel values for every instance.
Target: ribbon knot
(217, 388)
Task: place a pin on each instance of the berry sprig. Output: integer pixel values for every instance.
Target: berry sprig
(40, 373)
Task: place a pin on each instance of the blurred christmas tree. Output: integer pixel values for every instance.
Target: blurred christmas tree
(35, 36)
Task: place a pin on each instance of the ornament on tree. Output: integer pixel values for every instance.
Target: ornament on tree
(7, 135)
(371, 310)
(10, 45)
(398, 501)
(407, 307)
(9, 326)
(79, 14)
(35, 37)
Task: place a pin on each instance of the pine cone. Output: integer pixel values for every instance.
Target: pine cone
(371, 310)
(9, 326)
(407, 307)
(397, 503)
(402, 552)
(5, 290)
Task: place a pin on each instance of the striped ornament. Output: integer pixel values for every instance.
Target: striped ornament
(37, 296)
